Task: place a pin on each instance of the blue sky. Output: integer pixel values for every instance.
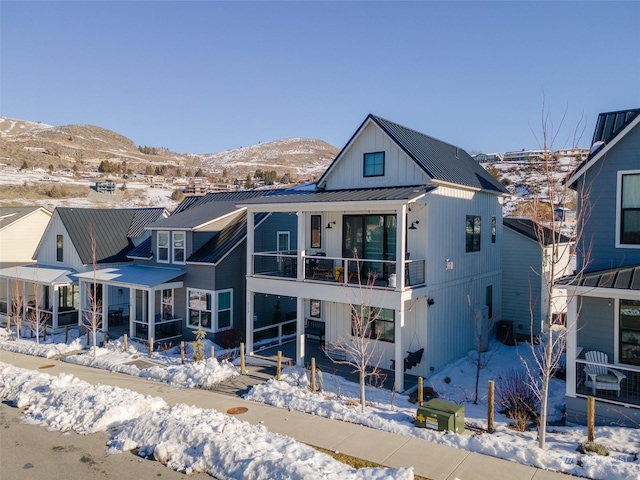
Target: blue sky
(207, 76)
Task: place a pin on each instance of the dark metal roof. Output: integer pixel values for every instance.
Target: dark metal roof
(624, 278)
(141, 218)
(228, 237)
(206, 208)
(142, 251)
(439, 160)
(9, 215)
(350, 195)
(111, 226)
(530, 229)
(608, 127)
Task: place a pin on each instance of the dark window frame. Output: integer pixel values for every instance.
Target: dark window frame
(370, 159)
(60, 248)
(376, 330)
(628, 331)
(494, 229)
(631, 237)
(316, 231)
(473, 233)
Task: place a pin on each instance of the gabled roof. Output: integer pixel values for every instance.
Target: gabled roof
(143, 217)
(225, 240)
(441, 161)
(10, 215)
(194, 212)
(530, 229)
(112, 227)
(610, 128)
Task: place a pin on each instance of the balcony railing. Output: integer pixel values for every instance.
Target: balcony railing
(339, 270)
(626, 391)
(274, 334)
(165, 329)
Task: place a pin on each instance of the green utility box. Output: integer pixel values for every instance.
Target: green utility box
(441, 415)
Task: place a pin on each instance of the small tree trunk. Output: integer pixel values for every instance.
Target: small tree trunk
(362, 398)
(313, 374)
(182, 353)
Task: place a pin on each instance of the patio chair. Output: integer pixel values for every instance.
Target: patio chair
(323, 269)
(601, 377)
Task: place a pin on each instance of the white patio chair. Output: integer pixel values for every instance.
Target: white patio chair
(601, 377)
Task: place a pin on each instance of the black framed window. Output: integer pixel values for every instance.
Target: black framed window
(630, 211)
(494, 229)
(373, 164)
(489, 300)
(629, 315)
(472, 233)
(374, 323)
(316, 231)
(59, 248)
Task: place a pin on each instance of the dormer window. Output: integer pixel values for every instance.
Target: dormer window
(163, 247)
(59, 248)
(373, 164)
(178, 247)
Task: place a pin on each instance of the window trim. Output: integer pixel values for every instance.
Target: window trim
(473, 234)
(315, 224)
(618, 226)
(494, 229)
(618, 332)
(364, 164)
(214, 312)
(371, 334)
(167, 247)
(183, 248)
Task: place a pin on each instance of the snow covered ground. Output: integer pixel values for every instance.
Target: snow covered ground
(185, 437)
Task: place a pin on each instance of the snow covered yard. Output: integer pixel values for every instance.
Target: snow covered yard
(456, 383)
(185, 438)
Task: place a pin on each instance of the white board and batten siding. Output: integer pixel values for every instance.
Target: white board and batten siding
(399, 169)
(47, 251)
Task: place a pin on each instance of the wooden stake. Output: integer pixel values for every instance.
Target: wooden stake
(591, 418)
(87, 337)
(151, 347)
(213, 352)
(313, 374)
(279, 367)
(125, 344)
(182, 352)
(242, 369)
(420, 392)
(66, 334)
(490, 406)
(44, 333)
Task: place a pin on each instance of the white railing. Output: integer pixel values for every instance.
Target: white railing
(274, 334)
(620, 384)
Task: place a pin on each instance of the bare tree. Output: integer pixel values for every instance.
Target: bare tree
(36, 319)
(549, 346)
(359, 348)
(92, 319)
(481, 327)
(17, 306)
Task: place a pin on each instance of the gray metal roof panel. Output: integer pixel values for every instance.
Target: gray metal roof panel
(142, 251)
(138, 275)
(141, 218)
(623, 278)
(349, 195)
(196, 200)
(529, 229)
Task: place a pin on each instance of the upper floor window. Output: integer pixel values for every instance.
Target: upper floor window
(494, 229)
(630, 209)
(316, 231)
(178, 247)
(472, 234)
(373, 164)
(59, 247)
(163, 247)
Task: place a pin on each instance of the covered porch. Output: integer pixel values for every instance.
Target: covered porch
(51, 292)
(142, 299)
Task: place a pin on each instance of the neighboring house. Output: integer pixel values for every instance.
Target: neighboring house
(108, 186)
(604, 302)
(424, 218)
(526, 270)
(526, 155)
(65, 250)
(21, 229)
(189, 272)
(488, 157)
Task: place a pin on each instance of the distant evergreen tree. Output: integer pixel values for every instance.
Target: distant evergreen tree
(25, 165)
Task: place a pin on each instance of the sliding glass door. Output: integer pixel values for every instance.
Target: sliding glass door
(373, 237)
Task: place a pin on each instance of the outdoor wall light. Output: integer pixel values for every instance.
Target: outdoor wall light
(413, 225)
(430, 301)
(331, 223)
(609, 302)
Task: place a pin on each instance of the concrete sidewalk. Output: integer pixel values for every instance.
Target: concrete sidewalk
(430, 460)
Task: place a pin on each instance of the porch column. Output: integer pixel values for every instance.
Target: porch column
(250, 245)
(151, 303)
(401, 246)
(301, 337)
(301, 246)
(398, 353)
(55, 306)
(249, 299)
(25, 302)
(105, 307)
(572, 344)
(132, 310)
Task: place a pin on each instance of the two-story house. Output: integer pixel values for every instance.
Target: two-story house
(417, 215)
(188, 273)
(50, 285)
(603, 345)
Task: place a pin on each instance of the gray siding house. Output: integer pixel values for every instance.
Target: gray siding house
(604, 302)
